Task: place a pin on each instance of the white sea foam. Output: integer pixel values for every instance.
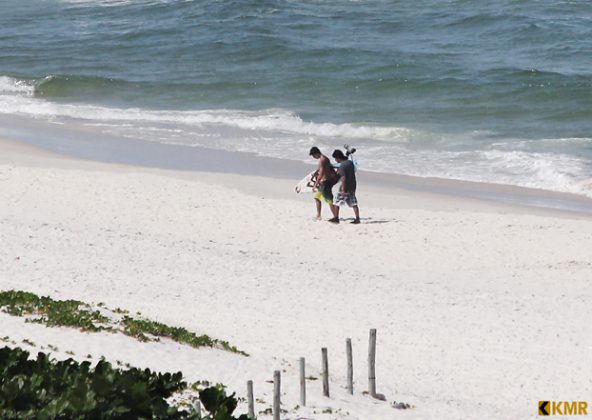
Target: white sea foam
(9, 85)
(106, 3)
(267, 120)
(558, 172)
(280, 133)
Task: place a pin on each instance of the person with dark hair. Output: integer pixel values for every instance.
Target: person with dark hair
(326, 178)
(347, 190)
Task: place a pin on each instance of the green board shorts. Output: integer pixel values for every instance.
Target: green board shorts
(324, 192)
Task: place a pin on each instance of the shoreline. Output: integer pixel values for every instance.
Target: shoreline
(377, 190)
(80, 142)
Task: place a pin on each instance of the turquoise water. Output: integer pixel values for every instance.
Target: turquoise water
(498, 92)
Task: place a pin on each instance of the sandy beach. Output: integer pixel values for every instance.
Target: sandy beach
(481, 309)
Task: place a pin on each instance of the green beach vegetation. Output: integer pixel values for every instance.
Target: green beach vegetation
(43, 388)
(77, 314)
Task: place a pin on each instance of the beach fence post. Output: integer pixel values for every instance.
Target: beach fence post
(276, 395)
(302, 383)
(350, 366)
(250, 400)
(372, 363)
(325, 372)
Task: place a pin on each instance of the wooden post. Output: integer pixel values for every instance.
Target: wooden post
(325, 372)
(302, 383)
(350, 366)
(250, 400)
(372, 363)
(276, 395)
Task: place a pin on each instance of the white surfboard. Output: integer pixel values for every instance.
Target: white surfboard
(307, 183)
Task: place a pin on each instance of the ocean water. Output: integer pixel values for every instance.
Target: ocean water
(498, 92)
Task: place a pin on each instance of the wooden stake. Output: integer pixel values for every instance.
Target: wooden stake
(250, 400)
(350, 366)
(276, 394)
(372, 363)
(302, 383)
(325, 372)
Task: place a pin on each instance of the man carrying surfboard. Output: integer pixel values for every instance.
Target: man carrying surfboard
(347, 190)
(325, 180)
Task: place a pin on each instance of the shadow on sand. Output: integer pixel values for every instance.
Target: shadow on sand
(371, 221)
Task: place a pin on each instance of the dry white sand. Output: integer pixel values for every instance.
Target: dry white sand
(481, 310)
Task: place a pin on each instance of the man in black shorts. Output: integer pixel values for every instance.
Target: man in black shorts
(347, 190)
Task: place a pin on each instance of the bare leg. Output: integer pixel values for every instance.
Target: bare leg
(335, 210)
(357, 213)
(318, 204)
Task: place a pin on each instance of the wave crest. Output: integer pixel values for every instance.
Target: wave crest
(12, 86)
